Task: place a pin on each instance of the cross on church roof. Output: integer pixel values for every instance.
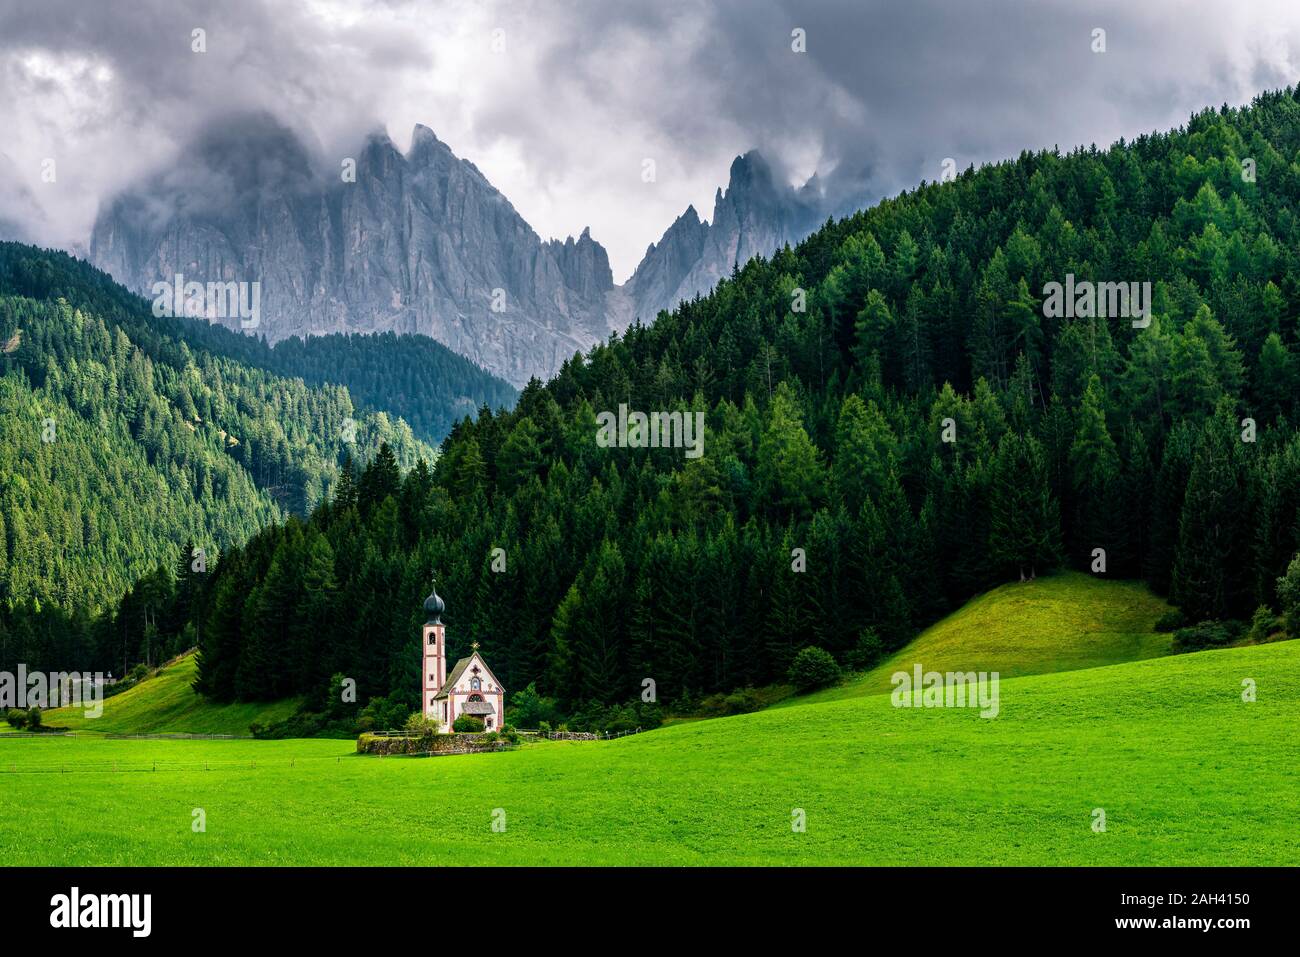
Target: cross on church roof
(474, 645)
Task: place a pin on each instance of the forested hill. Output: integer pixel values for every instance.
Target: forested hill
(828, 507)
(409, 376)
(123, 448)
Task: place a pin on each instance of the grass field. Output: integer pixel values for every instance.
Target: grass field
(1186, 772)
(167, 703)
(1062, 622)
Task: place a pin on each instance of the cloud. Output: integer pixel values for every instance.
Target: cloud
(559, 104)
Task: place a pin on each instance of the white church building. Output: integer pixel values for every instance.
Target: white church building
(471, 687)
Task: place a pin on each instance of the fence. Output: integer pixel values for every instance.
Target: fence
(583, 735)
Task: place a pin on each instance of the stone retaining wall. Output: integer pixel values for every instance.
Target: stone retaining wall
(430, 744)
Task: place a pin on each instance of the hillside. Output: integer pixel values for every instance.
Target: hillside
(896, 417)
(410, 376)
(87, 513)
(1062, 622)
(166, 703)
(1058, 623)
(1165, 747)
(125, 447)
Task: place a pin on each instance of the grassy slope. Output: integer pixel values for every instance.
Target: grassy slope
(167, 703)
(1059, 623)
(1186, 771)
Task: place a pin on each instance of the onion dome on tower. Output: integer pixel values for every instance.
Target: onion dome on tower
(434, 607)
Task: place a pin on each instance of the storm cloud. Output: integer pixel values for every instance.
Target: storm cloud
(560, 103)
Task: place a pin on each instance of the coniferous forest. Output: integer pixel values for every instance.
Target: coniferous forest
(127, 443)
(894, 424)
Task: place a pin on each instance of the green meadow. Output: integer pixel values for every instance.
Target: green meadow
(1061, 622)
(166, 703)
(1184, 769)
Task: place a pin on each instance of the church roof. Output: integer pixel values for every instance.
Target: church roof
(459, 669)
(452, 678)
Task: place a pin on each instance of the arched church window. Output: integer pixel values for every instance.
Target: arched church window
(476, 684)
(476, 697)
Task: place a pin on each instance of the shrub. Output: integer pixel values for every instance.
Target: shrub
(306, 724)
(16, 718)
(1171, 620)
(649, 716)
(867, 653)
(615, 718)
(710, 706)
(468, 723)
(34, 718)
(417, 722)
(741, 701)
(685, 703)
(334, 703)
(1207, 634)
(813, 667)
(1262, 624)
(386, 714)
(528, 709)
(1288, 595)
(544, 727)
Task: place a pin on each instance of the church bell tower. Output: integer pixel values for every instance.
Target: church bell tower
(434, 643)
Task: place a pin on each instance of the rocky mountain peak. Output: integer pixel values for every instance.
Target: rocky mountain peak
(755, 215)
(584, 264)
(418, 243)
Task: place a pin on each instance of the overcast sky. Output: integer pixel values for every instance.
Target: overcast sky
(559, 102)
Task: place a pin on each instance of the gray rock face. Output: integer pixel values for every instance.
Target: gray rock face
(660, 279)
(419, 243)
(754, 217)
(584, 264)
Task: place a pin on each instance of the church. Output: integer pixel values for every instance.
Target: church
(471, 687)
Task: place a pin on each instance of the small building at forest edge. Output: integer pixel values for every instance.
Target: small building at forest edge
(470, 688)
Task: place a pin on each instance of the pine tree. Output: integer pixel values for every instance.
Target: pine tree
(1024, 520)
(872, 328)
(1275, 379)
(789, 473)
(1213, 545)
(864, 451)
(1094, 466)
